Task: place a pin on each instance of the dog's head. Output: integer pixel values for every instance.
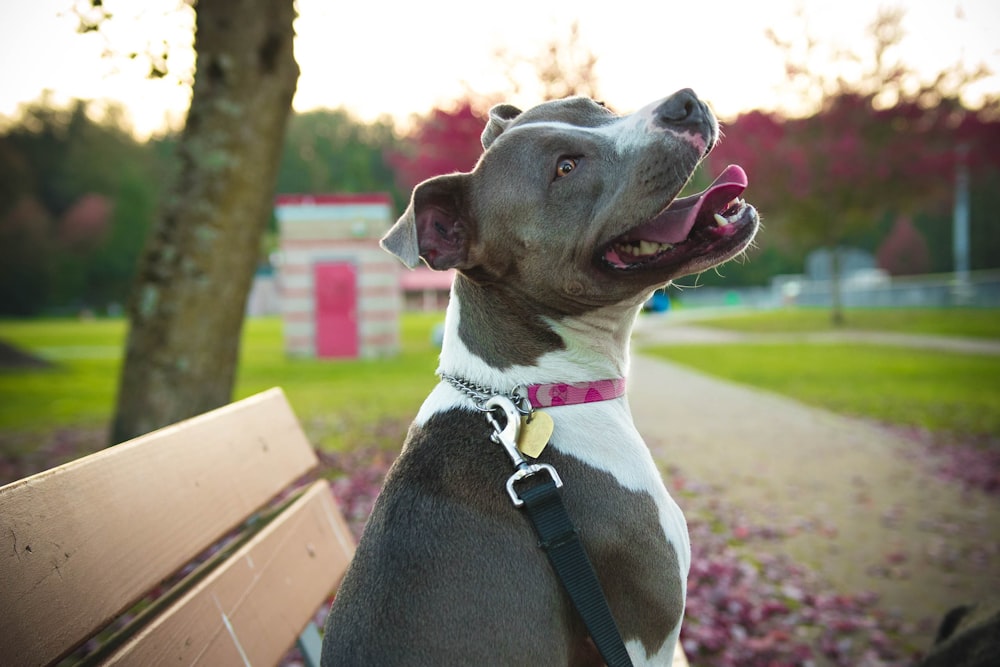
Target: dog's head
(576, 204)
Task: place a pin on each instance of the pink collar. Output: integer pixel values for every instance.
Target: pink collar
(574, 393)
(546, 395)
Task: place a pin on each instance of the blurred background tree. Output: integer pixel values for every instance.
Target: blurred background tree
(448, 138)
(445, 141)
(904, 251)
(562, 68)
(329, 150)
(881, 146)
(872, 148)
(877, 145)
(77, 193)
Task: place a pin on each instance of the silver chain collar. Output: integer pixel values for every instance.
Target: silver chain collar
(481, 394)
(511, 407)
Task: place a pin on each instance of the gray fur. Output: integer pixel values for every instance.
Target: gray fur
(447, 571)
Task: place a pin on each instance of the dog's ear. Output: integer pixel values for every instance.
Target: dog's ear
(501, 117)
(401, 239)
(434, 227)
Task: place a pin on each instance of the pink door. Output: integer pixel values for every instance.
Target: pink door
(336, 310)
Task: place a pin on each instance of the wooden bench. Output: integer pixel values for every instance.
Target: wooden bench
(84, 542)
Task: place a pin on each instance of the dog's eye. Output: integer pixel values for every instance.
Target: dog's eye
(565, 166)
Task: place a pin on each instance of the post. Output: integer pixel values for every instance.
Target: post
(960, 226)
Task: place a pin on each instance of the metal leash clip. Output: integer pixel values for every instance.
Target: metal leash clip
(506, 436)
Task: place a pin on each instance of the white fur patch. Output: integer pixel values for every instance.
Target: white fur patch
(596, 348)
(601, 434)
(625, 132)
(662, 658)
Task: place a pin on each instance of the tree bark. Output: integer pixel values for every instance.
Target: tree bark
(186, 310)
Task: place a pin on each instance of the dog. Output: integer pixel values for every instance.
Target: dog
(968, 636)
(568, 223)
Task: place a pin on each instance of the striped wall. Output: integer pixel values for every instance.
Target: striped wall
(341, 229)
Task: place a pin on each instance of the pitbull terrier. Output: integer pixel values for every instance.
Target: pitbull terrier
(565, 227)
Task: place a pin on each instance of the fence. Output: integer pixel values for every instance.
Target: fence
(981, 289)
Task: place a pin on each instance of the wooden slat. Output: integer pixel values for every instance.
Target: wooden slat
(81, 542)
(250, 610)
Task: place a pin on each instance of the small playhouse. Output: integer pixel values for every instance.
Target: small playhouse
(340, 292)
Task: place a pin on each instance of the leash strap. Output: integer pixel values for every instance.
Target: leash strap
(556, 533)
(561, 541)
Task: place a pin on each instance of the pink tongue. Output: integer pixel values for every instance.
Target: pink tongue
(675, 222)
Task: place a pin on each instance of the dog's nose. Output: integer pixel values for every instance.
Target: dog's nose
(684, 111)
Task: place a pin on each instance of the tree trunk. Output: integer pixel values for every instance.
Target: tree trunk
(186, 310)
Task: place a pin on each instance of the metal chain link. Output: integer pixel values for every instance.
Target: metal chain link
(480, 394)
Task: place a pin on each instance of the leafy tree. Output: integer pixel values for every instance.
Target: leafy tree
(904, 251)
(187, 308)
(69, 165)
(111, 269)
(445, 141)
(873, 146)
(80, 231)
(329, 150)
(757, 266)
(984, 230)
(66, 152)
(448, 139)
(562, 68)
(85, 224)
(25, 252)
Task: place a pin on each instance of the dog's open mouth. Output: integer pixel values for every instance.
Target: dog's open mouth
(715, 222)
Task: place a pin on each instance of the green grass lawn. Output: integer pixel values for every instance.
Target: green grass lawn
(340, 401)
(78, 389)
(935, 390)
(338, 396)
(940, 391)
(344, 400)
(973, 322)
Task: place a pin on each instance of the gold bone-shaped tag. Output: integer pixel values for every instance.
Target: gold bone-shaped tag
(536, 429)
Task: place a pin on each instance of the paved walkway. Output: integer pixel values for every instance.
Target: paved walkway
(865, 512)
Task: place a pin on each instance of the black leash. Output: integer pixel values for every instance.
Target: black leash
(561, 541)
(559, 538)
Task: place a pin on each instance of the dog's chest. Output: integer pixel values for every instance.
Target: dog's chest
(603, 438)
(633, 531)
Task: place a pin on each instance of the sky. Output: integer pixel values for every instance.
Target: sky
(402, 58)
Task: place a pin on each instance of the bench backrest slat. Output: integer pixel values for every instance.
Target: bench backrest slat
(82, 542)
(256, 604)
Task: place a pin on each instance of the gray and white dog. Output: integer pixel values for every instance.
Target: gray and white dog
(565, 227)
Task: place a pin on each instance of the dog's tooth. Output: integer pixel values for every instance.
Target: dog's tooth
(648, 248)
(720, 221)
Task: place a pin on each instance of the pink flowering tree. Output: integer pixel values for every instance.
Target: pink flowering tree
(445, 141)
(904, 251)
(872, 147)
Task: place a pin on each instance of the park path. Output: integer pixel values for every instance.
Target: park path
(859, 502)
